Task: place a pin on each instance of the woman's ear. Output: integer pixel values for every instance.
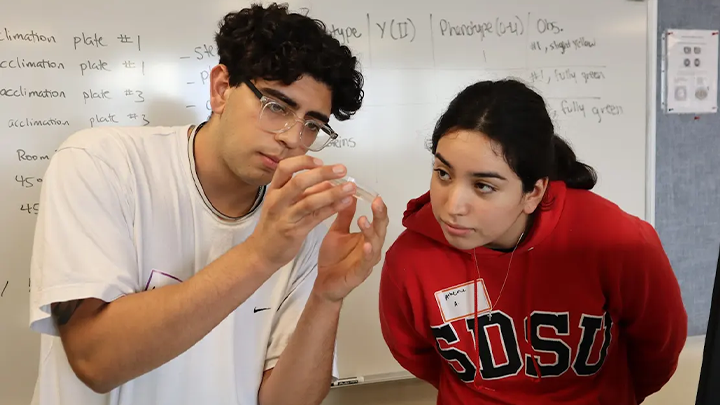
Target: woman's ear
(533, 198)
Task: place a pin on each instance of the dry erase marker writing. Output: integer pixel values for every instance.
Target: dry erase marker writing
(348, 381)
(361, 191)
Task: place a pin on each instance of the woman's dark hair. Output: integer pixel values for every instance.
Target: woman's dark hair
(272, 43)
(515, 117)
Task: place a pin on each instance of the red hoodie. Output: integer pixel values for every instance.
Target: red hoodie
(591, 283)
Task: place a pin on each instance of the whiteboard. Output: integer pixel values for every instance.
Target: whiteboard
(80, 63)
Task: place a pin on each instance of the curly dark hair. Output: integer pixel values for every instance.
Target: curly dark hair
(272, 43)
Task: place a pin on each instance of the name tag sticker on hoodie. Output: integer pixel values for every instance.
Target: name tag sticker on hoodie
(457, 302)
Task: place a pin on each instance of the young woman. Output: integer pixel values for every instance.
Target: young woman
(515, 284)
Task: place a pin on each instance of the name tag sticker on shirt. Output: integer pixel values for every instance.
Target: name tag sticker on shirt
(457, 302)
(159, 279)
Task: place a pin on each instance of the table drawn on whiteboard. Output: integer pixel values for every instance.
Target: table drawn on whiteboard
(548, 35)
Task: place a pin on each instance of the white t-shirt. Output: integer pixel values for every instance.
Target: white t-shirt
(122, 211)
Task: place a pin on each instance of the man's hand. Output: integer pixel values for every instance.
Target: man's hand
(303, 373)
(347, 259)
(294, 205)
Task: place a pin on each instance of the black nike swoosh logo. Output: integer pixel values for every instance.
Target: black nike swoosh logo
(256, 310)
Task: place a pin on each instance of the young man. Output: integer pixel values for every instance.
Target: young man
(188, 265)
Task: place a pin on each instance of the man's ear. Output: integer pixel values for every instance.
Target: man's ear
(535, 196)
(219, 88)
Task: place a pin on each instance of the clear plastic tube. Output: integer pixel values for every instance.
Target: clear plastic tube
(361, 192)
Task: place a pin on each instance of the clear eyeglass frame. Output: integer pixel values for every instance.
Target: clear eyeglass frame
(277, 117)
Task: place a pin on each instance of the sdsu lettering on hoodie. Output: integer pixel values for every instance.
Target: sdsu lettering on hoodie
(590, 314)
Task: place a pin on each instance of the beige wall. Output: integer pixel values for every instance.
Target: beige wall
(679, 391)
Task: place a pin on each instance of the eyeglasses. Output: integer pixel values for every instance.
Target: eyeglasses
(277, 117)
